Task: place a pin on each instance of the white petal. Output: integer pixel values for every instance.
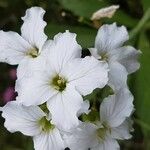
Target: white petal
(51, 140)
(84, 108)
(108, 144)
(110, 37)
(29, 66)
(22, 118)
(123, 131)
(114, 109)
(34, 90)
(94, 53)
(64, 108)
(117, 76)
(86, 74)
(63, 49)
(13, 47)
(33, 27)
(82, 137)
(128, 57)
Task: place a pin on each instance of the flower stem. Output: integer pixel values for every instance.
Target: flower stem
(140, 25)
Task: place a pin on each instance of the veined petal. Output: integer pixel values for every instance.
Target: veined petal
(123, 131)
(128, 57)
(33, 27)
(110, 37)
(22, 118)
(94, 53)
(86, 74)
(13, 47)
(63, 49)
(34, 90)
(117, 76)
(51, 140)
(64, 107)
(85, 108)
(28, 66)
(83, 137)
(114, 109)
(108, 144)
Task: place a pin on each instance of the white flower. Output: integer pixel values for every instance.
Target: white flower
(122, 60)
(113, 125)
(27, 49)
(32, 121)
(105, 12)
(63, 82)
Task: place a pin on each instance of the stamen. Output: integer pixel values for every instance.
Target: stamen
(58, 83)
(33, 53)
(46, 124)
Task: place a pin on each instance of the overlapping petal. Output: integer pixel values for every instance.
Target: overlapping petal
(49, 141)
(86, 74)
(117, 76)
(114, 109)
(35, 90)
(128, 57)
(64, 107)
(63, 49)
(13, 47)
(110, 37)
(83, 137)
(108, 144)
(123, 131)
(21, 118)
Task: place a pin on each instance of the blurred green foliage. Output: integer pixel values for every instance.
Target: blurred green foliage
(74, 15)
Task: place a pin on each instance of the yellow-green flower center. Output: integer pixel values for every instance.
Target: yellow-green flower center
(104, 56)
(59, 83)
(101, 132)
(46, 125)
(33, 53)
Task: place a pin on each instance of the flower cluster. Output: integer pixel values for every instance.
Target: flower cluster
(53, 79)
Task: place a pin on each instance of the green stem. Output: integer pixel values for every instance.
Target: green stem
(142, 124)
(140, 25)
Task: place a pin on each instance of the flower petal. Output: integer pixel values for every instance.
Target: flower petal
(114, 109)
(85, 108)
(64, 107)
(49, 141)
(33, 27)
(28, 66)
(123, 131)
(63, 49)
(34, 90)
(13, 47)
(86, 74)
(83, 137)
(117, 76)
(110, 37)
(22, 118)
(107, 144)
(128, 57)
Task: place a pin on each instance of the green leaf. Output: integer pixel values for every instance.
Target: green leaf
(142, 84)
(85, 35)
(146, 4)
(85, 8)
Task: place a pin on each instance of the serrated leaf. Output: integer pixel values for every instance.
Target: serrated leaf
(142, 84)
(85, 35)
